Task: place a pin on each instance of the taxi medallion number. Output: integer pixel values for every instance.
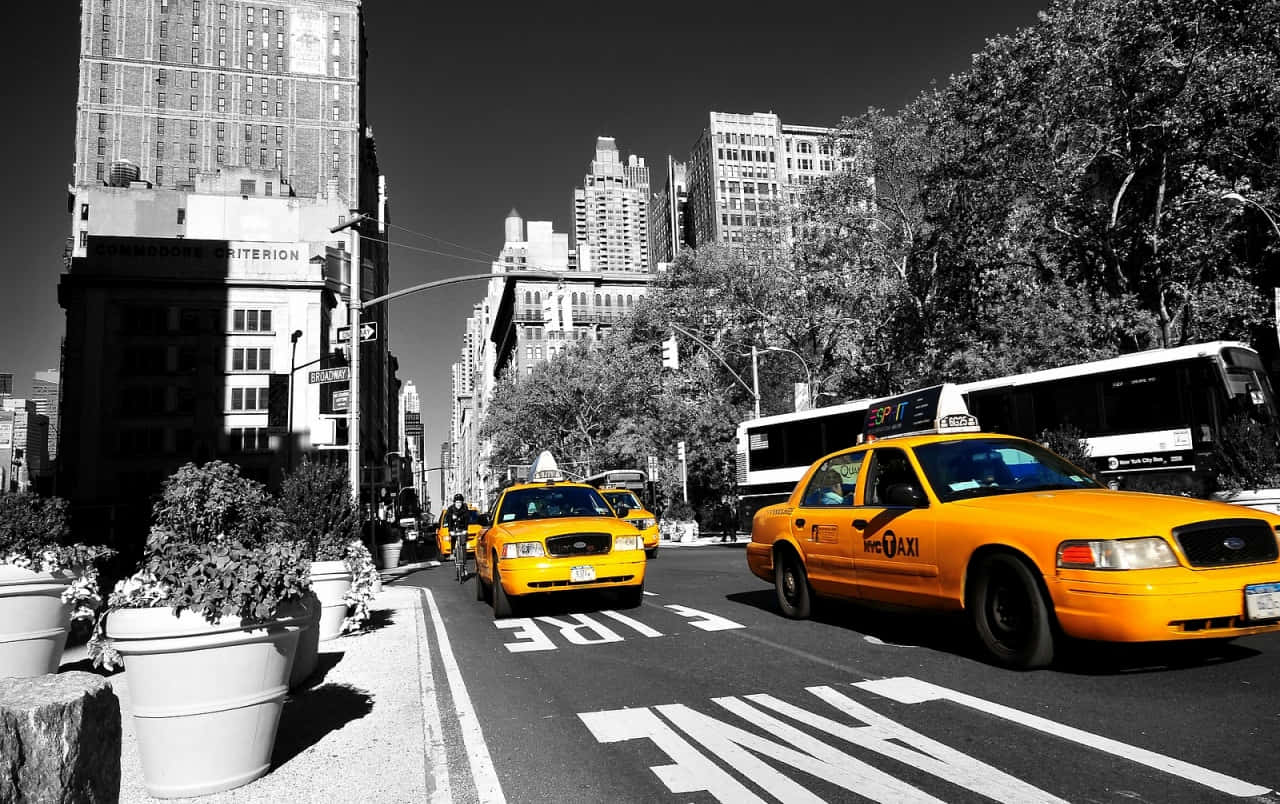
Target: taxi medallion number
(587, 573)
(1262, 601)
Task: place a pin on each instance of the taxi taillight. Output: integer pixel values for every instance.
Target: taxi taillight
(1080, 555)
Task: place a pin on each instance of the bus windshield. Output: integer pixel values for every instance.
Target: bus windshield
(981, 467)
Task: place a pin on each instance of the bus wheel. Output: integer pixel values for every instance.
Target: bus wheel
(501, 603)
(1009, 613)
(792, 584)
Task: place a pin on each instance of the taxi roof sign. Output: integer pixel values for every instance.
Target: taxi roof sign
(938, 409)
(545, 468)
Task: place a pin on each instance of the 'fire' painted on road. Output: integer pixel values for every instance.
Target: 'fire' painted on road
(583, 630)
(698, 762)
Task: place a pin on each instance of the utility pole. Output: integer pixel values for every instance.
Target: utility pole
(353, 378)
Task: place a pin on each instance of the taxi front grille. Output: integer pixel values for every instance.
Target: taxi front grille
(579, 544)
(1227, 542)
(558, 584)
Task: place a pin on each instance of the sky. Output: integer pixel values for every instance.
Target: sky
(477, 109)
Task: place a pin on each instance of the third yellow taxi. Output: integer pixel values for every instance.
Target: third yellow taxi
(636, 514)
(932, 513)
(551, 535)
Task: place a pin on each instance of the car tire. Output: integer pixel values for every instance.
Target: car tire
(652, 552)
(1012, 620)
(482, 590)
(792, 583)
(501, 602)
(630, 597)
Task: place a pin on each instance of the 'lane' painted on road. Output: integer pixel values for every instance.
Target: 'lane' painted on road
(583, 630)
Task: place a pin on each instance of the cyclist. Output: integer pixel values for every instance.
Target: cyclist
(456, 519)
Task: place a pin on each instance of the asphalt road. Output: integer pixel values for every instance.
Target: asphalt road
(706, 693)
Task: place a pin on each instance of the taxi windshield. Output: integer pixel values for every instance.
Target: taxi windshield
(545, 502)
(980, 467)
(626, 498)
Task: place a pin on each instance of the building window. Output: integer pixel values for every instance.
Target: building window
(264, 108)
(262, 156)
(222, 11)
(222, 154)
(262, 134)
(102, 95)
(267, 186)
(336, 137)
(250, 359)
(335, 111)
(164, 52)
(159, 149)
(248, 106)
(280, 18)
(222, 105)
(222, 129)
(195, 33)
(248, 14)
(337, 24)
(266, 36)
(335, 47)
(248, 439)
(279, 40)
(250, 320)
(279, 157)
(222, 36)
(222, 58)
(333, 68)
(195, 55)
(222, 82)
(248, 38)
(279, 64)
(159, 175)
(195, 103)
(248, 398)
(164, 29)
(195, 80)
(191, 152)
(248, 57)
(103, 72)
(334, 165)
(279, 86)
(279, 109)
(182, 216)
(279, 134)
(248, 83)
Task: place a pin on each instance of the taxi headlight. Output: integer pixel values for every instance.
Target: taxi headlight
(1150, 552)
(523, 550)
(628, 543)
(644, 523)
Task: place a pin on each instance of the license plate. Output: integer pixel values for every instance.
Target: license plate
(587, 573)
(1262, 601)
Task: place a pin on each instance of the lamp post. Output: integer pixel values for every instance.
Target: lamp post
(808, 375)
(1237, 198)
(353, 378)
(293, 367)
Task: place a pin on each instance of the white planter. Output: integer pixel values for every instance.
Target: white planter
(331, 580)
(33, 621)
(206, 697)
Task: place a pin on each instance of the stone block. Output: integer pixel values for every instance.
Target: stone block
(59, 739)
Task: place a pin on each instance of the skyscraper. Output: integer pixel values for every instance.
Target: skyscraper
(171, 88)
(44, 390)
(611, 213)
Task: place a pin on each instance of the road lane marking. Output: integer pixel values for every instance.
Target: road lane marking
(437, 759)
(573, 633)
(585, 631)
(912, 691)
(488, 789)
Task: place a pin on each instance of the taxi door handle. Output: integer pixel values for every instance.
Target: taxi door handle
(799, 523)
(859, 524)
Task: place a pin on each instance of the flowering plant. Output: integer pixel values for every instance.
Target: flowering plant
(363, 578)
(35, 536)
(215, 550)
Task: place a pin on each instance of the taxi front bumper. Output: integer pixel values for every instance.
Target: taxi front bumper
(446, 544)
(524, 576)
(1159, 605)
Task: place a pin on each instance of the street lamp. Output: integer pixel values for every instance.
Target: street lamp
(808, 376)
(1237, 198)
(293, 367)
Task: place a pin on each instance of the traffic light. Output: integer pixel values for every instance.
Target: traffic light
(671, 353)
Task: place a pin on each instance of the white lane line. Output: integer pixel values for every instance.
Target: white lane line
(437, 760)
(487, 787)
(911, 691)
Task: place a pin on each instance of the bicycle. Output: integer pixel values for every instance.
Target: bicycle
(458, 550)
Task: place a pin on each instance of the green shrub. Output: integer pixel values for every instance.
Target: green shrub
(316, 508)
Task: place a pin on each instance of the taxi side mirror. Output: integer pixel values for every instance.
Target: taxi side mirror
(484, 520)
(907, 495)
(622, 511)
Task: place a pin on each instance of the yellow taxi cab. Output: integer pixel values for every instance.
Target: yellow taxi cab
(552, 535)
(637, 514)
(932, 513)
(445, 542)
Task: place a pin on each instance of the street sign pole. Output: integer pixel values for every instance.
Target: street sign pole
(353, 320)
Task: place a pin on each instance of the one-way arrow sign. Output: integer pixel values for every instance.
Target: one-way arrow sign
(368, 332)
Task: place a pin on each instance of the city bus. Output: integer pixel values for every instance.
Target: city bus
(1153, 414)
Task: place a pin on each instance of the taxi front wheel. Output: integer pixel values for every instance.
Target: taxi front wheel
(792, 583)
(1009, 613)
(482, 589)
(501, 603)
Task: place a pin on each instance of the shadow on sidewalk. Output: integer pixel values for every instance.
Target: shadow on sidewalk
(309, 716)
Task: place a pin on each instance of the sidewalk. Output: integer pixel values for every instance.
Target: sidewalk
(356, 732)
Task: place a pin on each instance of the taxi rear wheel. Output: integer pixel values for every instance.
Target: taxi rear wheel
(792, 583)
(1009, 613)
(501, 603)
